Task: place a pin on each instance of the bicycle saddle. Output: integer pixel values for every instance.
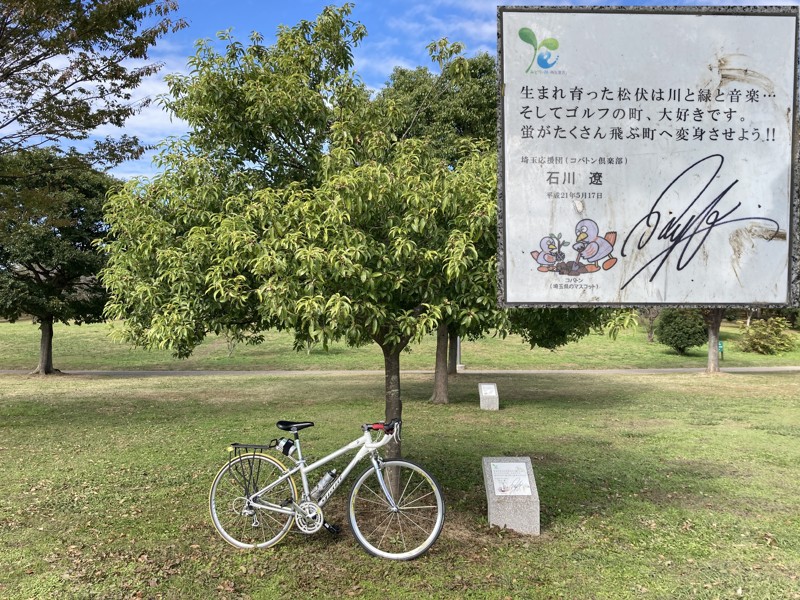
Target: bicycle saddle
(293, 425)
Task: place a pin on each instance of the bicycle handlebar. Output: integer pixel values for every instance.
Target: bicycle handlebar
(387, 428)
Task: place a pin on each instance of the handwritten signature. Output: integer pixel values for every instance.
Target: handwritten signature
(687, 232)
(515, 485)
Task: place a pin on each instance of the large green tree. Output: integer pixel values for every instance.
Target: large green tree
(50, 213)
(367, 255)
(68, 66)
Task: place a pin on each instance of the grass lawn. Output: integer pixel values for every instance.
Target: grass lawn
(652, 486)
(89, 347)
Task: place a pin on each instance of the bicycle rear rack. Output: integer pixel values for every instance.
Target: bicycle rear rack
(246, 475)
(236, 450)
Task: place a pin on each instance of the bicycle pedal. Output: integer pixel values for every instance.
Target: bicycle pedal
(332, 529)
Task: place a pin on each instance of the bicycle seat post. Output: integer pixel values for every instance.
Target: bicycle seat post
(296, 434)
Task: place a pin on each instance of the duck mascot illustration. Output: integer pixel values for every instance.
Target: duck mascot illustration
(592, 248)
(550, 254)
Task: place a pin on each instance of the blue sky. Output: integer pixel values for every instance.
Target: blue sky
(398, 32)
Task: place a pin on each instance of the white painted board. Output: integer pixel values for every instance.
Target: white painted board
(646, 158)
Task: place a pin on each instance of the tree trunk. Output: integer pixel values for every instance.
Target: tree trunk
(651, 326)
(394, 404)
(440, 373)
(714, 320)
(650, 315)
(452, 349)
(46, 348)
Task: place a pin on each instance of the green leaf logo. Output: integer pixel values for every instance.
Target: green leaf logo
(527, 36)
(541, 52)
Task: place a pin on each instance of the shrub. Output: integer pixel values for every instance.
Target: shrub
(790, 314)
(681, 329)
(767, 337)
(733, 314)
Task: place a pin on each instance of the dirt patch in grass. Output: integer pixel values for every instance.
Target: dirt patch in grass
(703, 469)
(547, 459)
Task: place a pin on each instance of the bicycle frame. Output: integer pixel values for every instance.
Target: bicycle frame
(365, 446)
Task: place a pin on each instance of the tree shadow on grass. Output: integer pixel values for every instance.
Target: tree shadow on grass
(585, 391)
(595, 447)
(580, 477)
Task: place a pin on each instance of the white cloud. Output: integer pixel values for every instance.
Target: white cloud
(153, 123)
(134, 168)
(472, 22)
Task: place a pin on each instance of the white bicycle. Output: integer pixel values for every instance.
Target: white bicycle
(395, 509)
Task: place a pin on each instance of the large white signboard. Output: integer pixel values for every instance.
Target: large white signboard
(646, 157)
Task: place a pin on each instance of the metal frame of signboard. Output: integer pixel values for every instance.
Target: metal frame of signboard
(793, 236)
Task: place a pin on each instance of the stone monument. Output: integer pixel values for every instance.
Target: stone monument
(511, 493)
(490, 400)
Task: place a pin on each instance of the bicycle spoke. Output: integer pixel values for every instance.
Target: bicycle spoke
(402, 536)
(419, 485)
(387, 521)
(380, 498)
(424, 530)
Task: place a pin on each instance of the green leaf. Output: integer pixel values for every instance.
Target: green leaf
(527, 36)
(550, 44)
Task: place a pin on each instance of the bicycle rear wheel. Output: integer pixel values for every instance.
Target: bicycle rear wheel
(409, 530)
(235, 517)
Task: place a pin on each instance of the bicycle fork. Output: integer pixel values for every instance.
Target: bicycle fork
(382, 482)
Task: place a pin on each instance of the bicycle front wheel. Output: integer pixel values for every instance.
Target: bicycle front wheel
(400, 533)
(238, 515)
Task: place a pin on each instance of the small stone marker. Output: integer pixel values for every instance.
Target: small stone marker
(490, 400)
(511, 493)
